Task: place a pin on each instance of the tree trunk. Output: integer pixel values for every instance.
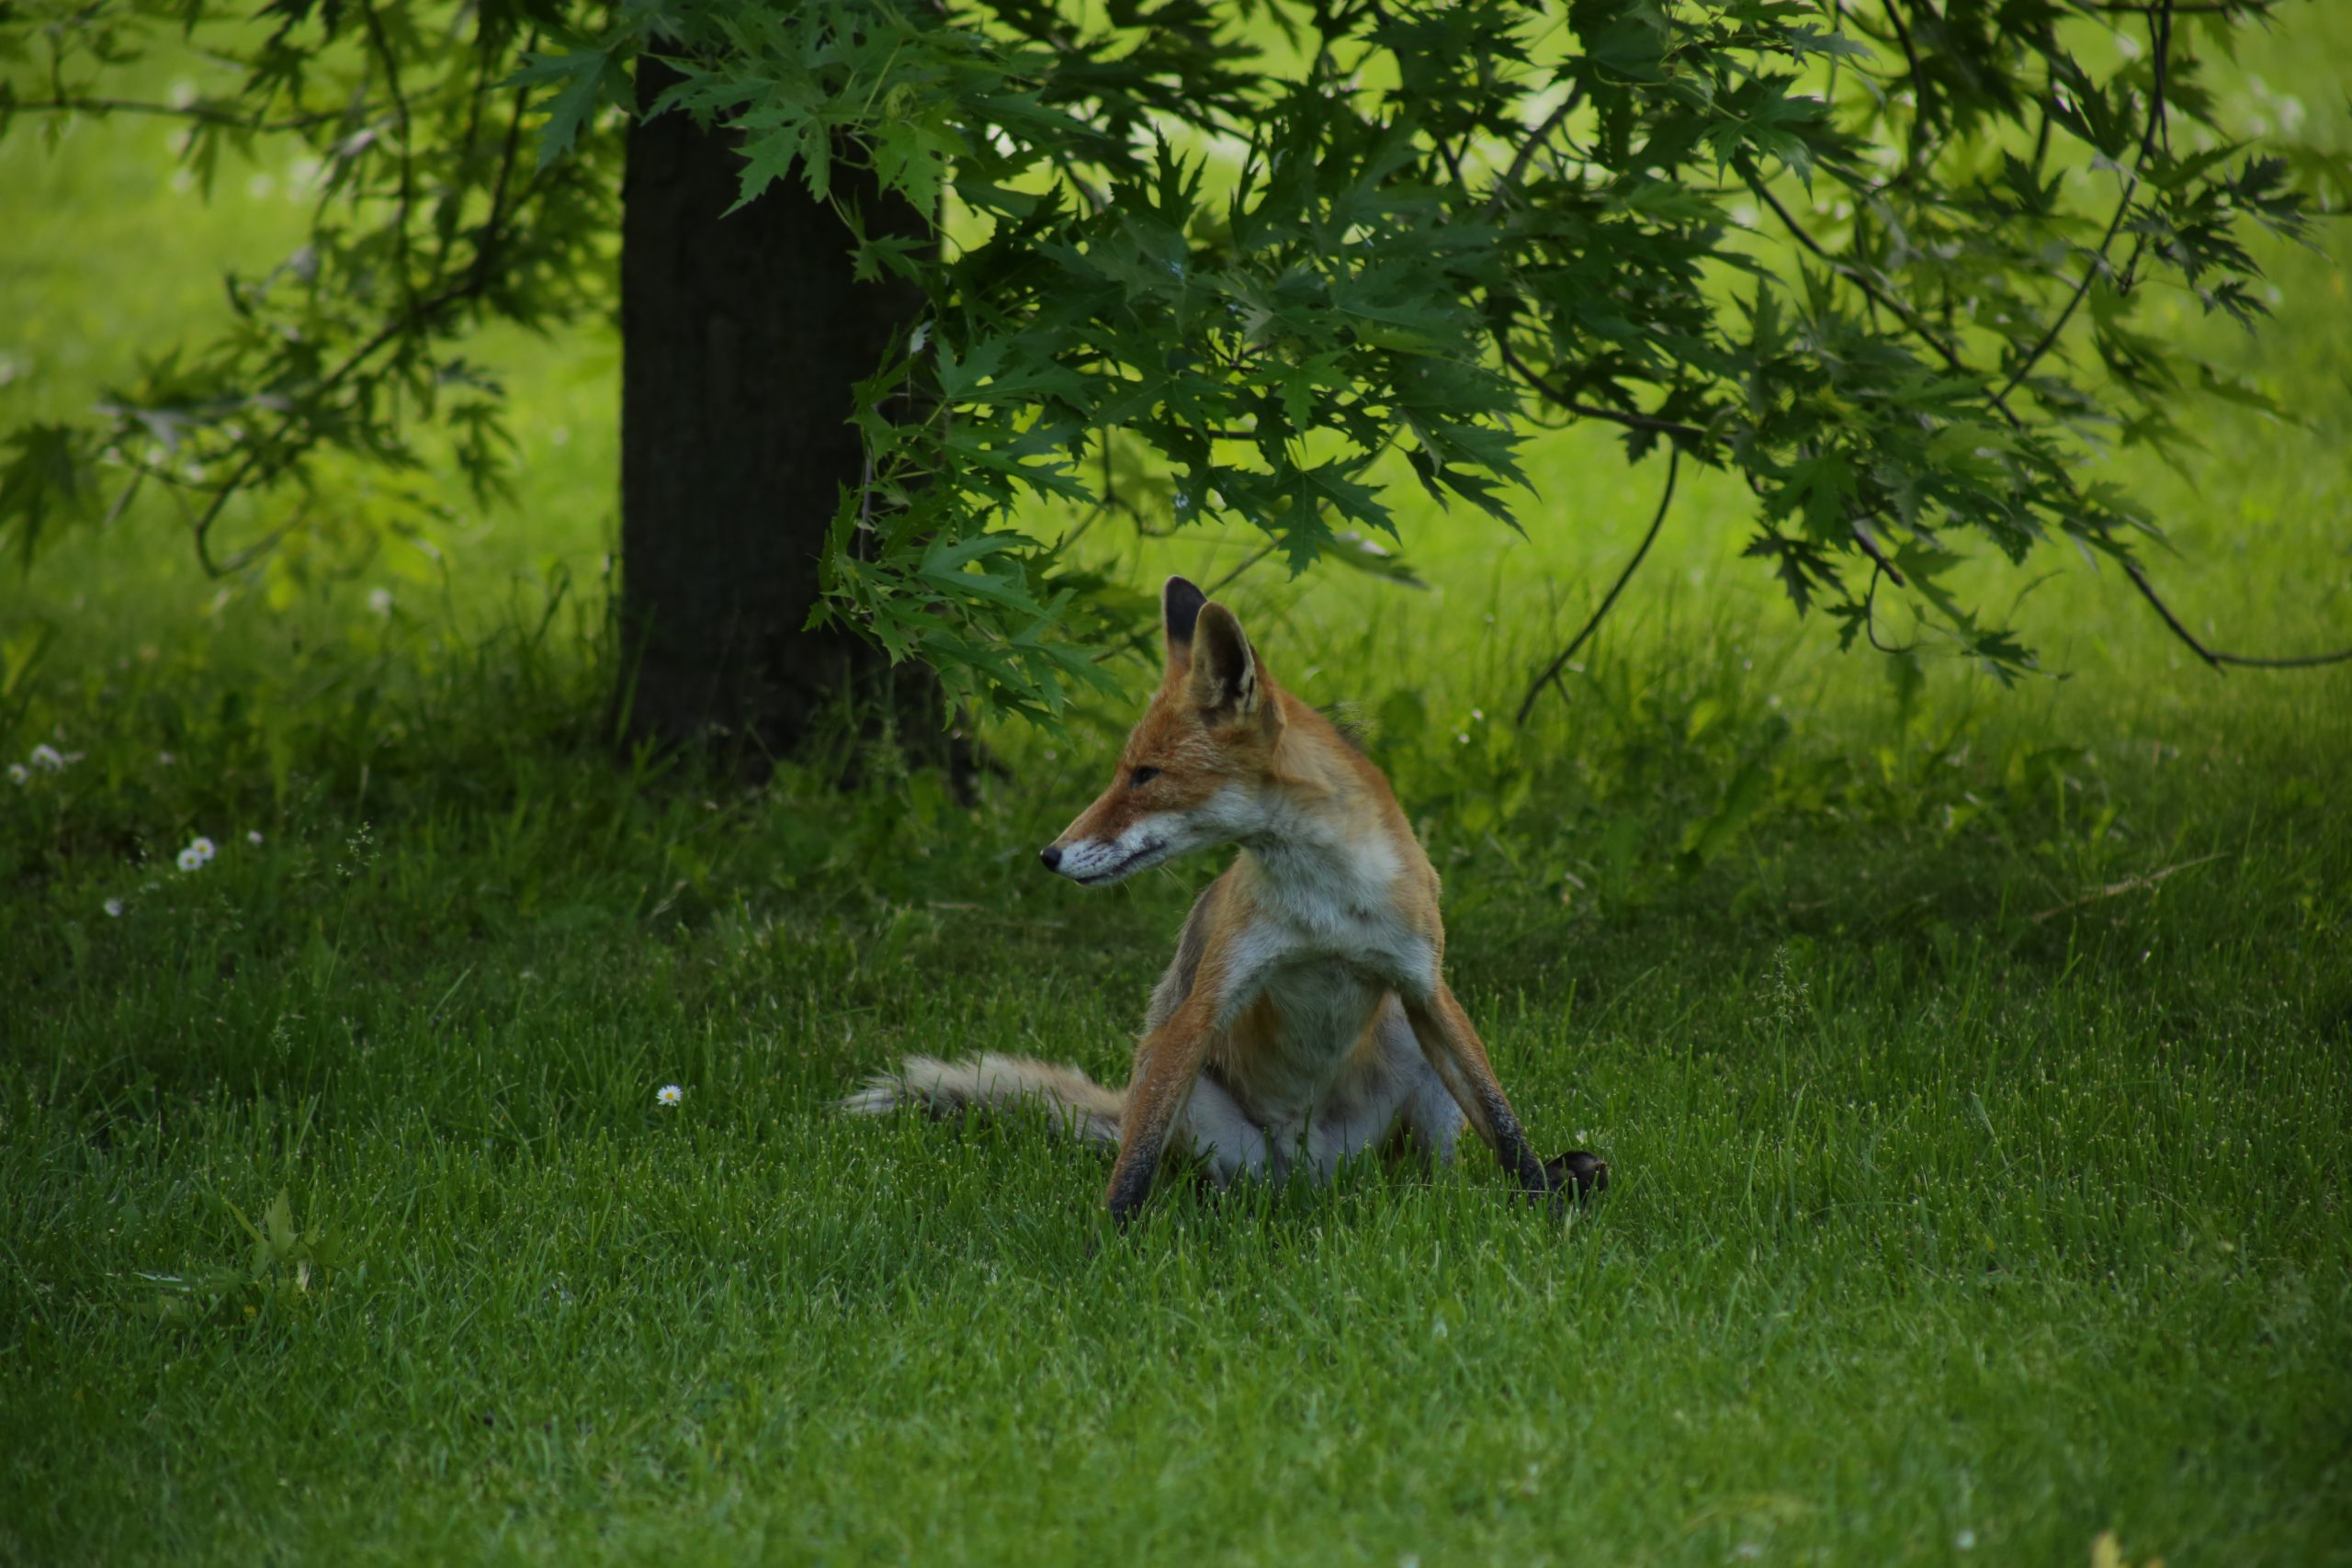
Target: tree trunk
(740, 339)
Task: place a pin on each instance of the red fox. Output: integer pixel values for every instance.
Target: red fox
(1306, 1018)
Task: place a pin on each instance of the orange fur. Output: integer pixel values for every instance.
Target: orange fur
(1305, 1016)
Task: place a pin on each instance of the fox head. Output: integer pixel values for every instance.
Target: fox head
(1195, 770)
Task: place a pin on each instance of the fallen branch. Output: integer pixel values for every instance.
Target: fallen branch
(2128, 884)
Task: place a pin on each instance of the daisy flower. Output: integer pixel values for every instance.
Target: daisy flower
(114, 907)
(48, 759)
(202, 846)
(669, 1094)
(190, 860)
(254, 837)
(17, 774)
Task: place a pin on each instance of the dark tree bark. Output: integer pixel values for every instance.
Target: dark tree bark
(740, 339)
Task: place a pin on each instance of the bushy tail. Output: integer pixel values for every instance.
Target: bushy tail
(1072, 1101)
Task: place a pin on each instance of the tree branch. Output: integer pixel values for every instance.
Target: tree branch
(254, 461)
(1260, 553)
(2128, 884)
(1559, 395)
(1878, 557)
(419, 312)
(1877, 296)
(2162, 29)
(2179, 7)
(1502, 341)
(1869, 614)
(382, 49)
(1552, 671)
(1535, 139)
(200, 112)
(1912, 162)
(2213, 656)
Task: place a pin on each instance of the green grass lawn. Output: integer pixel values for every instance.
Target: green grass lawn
(1975, 1066)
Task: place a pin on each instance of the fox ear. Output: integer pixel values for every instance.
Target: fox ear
(1224, 676)
(1179, 608)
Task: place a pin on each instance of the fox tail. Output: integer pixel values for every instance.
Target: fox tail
(1075, 1103)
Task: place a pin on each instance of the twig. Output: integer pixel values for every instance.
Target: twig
(408, 323)
(1877, 296)
(1230, 578)
(2180, 7)
(1528, 374)
(383, 51)
(2213, 656)
(2117, 889)
(1551, 672)
(1870, 548)
(203, 113)
(493, 233)
(419, 313)
(1869, 614)
(1535, 139)
(2162, 29)
(1211, 592)
(1919, 93)
(1502, 341)
(474, 101)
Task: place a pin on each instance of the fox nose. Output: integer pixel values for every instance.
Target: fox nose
(1052, 855)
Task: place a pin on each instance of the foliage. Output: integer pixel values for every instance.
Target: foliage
(428, 219)
(1889, 264)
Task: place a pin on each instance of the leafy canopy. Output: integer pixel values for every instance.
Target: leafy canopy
(1886, 260)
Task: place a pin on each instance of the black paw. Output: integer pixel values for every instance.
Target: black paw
(1584, 1174)
(1124, 1200)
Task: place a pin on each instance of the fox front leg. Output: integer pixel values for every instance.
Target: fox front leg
(1166, 1065)
(1455, 1050)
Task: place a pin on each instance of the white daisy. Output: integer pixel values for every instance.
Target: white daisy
(380, 600)
(48, 759)
(254, 837)
(114, 907)
(17, 774)
(669, 1094)
(202, 847)
(190, 860)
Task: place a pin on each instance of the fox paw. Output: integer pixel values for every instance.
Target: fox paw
(1580, 1173)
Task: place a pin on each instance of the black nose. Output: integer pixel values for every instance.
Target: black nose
(1052, 855)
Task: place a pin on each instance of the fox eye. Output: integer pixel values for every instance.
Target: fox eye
(1141, 777)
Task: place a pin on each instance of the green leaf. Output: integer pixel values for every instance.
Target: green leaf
(42, 481)
(278, 1218)
(585, 79)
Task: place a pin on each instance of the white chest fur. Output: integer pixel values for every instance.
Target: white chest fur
(1327, 903)
(1326, 940)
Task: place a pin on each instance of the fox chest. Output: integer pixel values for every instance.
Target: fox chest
(1294, 1037)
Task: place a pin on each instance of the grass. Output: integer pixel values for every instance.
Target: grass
(1976, 1066)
